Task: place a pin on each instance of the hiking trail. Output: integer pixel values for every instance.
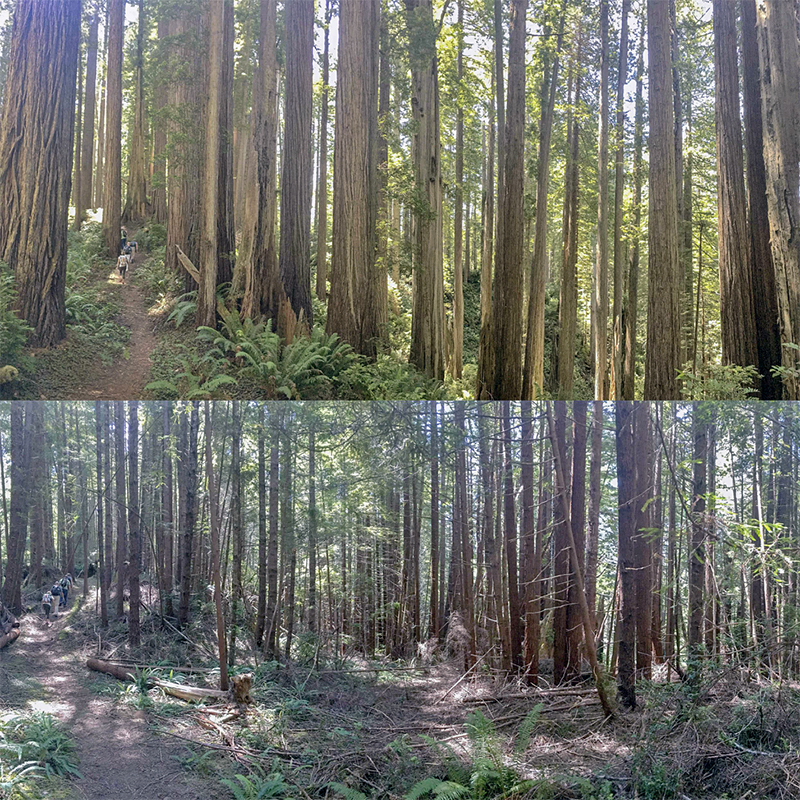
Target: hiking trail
(119, 755)
(125, 378)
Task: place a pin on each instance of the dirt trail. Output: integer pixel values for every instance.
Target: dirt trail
(125, 379)
(119, 755)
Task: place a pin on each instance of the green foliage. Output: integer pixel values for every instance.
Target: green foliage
(719, 382)
(442, 790)
(38, 740)
(347, 792)
(258, 786)
(13, 330)
(185, 306)
(191, 381)
(526, 728)
(160, 283)
(152, 236)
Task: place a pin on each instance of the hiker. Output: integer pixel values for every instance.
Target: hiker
(55, 591)
(134, 245)
(122, 265)
(123, 238)
(65, 584)
(47, 604)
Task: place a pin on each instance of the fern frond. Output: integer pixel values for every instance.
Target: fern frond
(346, 792)
(526, 728)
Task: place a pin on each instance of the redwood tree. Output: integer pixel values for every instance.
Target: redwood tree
(35, 170)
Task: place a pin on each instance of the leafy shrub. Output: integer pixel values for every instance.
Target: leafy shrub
(258, 786)
(159, 282)
(152, 236)
(13, 330)
(39, 739)
(719, 382)
(192, 381)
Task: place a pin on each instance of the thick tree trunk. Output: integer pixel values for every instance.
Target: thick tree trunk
(270, 640)
(510, 276)
(112, 171)
(35, 170)
(779, 56)
(18, 512)
(158, 190)
(663, 305)
(295, 243)
(510, 533)
(353, 311)
(578, 521)
(642, 544)
(121, 503)
(696, 554)
(427, 316)
(188, 468)
(261, 605)
(762, 268)
(736, 291)
(434, 597)
(98, 430)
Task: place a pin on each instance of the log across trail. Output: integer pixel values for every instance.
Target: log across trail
(119, 755)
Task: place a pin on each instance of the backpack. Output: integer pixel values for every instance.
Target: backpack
(47, 598)
(56, 590)
(64, 583)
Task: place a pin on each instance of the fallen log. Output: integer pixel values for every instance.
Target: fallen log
(9, 637)
(187, 264)
(194, 694)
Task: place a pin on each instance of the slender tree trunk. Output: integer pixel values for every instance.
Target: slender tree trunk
(78, 149)
(600, 277)
(322, 183)
(98, 428)
(209, 249)
(619, 196)
(312, 533)
(458, 267)
(215, 565)
(696, 555)
(434, 598)
(136, 202)
(510, 530)
(134, 523)
(18, 511)
(112, 171)
(630, 306)
(99, 183)
(595, 488)
(626, 493)
(270, 641)
(158, 190)
(168, 582)
(189, 470)
(262, 531)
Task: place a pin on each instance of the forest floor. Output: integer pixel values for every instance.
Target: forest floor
(322, 727)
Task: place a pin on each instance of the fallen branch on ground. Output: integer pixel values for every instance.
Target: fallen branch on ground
(9, 637)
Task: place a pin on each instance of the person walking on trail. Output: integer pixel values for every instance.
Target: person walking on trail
(47, 605)
(55, 591)
(123, 238)
(64, 591)
(122, 265)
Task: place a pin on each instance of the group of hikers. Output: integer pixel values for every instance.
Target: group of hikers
(127, 249)
(57, 594)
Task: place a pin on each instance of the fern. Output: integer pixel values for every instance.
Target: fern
(526, 728)
(184, 306)
(442, 790)
(346, 792)
(259, 787)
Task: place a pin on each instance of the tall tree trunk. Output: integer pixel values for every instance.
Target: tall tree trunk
(322, 182)
(36, 170)
(213, 515)
(642, 543)
(626, 494)
(18, 511)
(663, 306)
(262, 531)
(779, 55)
(510, 531)
(158, 189)
(619, 196)
(533, 374)
(509, 279)
(121, 503)
(87, 141)
(112, 171)
(312, 533)
(189, 470)
(578, 521)
(270, 640)
(78, 150)
(600, 277)
(226, 230)
(696, 556)
(458, 267)
(134, 523)
(209, 246)
(166, 506)
(353, 311)
(427, 316)
(736, 291)
(136, 202)
(630, 306)
(98, 429)
(295, 269)
(434, 598)
(595, 488)
(762, 268)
